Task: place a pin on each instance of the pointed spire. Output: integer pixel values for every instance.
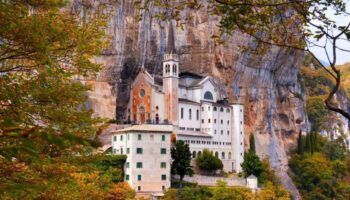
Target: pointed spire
(170, 48)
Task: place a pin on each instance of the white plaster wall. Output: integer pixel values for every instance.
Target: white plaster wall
(151, 158)
(186, 122)
(238, 136)
(208, 86)
(157, 100)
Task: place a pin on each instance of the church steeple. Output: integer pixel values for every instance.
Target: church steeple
(170, 48)
(171, 78)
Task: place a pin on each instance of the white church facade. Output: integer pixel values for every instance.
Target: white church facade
(182, 106)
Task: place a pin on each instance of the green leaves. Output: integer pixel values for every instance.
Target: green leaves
(43, 50)
(181, 156)
(208, 162)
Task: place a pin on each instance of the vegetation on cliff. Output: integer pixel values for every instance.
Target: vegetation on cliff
(323, 173)
(66, 177)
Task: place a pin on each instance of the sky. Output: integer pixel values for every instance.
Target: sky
(342, 57)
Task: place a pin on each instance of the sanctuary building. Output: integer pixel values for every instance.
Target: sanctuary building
(182, 106)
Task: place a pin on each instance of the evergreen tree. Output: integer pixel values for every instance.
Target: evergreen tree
(252, 165)
(300, 143)
(308, 143)
(252, 143)
(181, 164)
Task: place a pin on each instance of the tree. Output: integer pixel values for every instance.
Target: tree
(181, 155)
(300, 143)
(43, 48)
(208, 162)
(308, 143)
(317, 177)
(298, 25)
(252, 165)
(252, 143)
(335, 149)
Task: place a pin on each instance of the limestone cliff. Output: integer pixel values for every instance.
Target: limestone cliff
(265, 84)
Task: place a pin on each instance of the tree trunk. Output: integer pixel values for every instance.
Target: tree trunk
(180, 188)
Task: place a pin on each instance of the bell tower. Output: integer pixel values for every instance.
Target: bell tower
(171, 78)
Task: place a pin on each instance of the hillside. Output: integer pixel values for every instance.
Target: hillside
(316, 83)
(345, 71)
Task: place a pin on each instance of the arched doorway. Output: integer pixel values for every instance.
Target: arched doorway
(142, 114)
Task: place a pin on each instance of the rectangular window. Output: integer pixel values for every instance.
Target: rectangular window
(202, 121)
(163, 151)
(139, 177)
(127, 150)
(228, 132)
(121, 151)
(139, 165)
(139, 150)
(163, 137)
(209, 121)
(163, 165)
(139, 136)
(127, 177)
(222, 132)
(197, 115)
(163, 177)
(127, 165)
(121, 138)
(114, 138)
(202, 108)
(214, 121)
(182, 113)
(128, 136)
(138, 188)
(228, 121)
(222, 121)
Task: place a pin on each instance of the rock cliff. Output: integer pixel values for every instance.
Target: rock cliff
(266, 84)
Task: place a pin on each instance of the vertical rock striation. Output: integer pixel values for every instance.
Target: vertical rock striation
(266, 84)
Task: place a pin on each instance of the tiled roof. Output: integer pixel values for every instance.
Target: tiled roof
(192, 133)
(146, 128)
(188, 101)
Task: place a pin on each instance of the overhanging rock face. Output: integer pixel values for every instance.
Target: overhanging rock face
(264, 83)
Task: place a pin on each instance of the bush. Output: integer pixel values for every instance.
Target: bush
(121, 191)
(208, 162)
(252, 165)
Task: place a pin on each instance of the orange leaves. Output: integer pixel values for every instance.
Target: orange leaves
(121, 191)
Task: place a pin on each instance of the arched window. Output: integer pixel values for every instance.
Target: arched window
(157, 118)
(194, 154)
(208, 95)
(216, 154)
(167, 68)
(215, 108)
(227, 110)
(174, 68)
(199, 153)
(229, 155)
(190, 114)
(197, 114)
(223, 155)
(221, 109)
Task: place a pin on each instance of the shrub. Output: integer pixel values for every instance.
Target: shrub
(208, 162)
